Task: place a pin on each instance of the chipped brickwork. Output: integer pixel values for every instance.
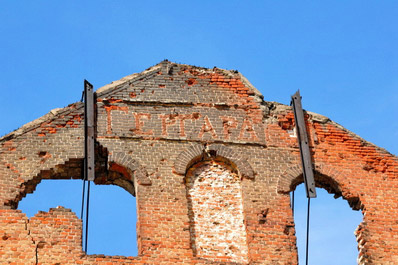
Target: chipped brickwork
(216, 213)
(151, 128)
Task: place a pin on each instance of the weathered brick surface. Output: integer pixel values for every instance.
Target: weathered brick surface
(216, 213)
(154, 131)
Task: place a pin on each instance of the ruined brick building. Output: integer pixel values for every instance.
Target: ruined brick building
(211, 165)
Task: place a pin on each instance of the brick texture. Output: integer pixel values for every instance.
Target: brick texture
(160, 131)
(216, 213)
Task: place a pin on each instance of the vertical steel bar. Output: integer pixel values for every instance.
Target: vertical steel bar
(89, 149)
(82, 209)
(302, 138)
(87, 211)
(308, 232)
(292, 203)
(89, 130)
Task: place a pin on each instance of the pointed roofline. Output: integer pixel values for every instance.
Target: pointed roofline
(136, 76)
(165, 65)
(51, 115)
(113, 86)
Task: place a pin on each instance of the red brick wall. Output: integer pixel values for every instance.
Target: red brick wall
(151, 129)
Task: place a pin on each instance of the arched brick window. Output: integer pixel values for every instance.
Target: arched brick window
(118, 187)
(104, 237)
(328, 179)
(216, 214)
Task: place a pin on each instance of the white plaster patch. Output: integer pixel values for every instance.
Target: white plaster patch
(218, 229)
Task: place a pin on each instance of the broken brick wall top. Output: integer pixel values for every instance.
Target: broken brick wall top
(153, 130)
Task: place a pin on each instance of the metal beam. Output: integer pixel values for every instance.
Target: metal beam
(89, 131)
(302, 138)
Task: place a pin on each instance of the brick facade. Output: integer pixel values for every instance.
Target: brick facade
(157, 134)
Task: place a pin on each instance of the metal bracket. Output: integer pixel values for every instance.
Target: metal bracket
(89, 132)
(302, 139)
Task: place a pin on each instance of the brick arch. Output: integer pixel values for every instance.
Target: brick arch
(72, 169)
(215, 207)
(68, 169)
(326, 176)
(286, 182)
(199, 152)
(294, 176)
(330, 178)
(65, 165)
(133, 167)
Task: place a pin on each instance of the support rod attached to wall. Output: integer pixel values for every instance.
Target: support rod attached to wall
(89, 131)
(89, 151)
(306, 161)
(302, 138)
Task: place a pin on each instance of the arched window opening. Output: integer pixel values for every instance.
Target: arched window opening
(112, 217)
(332, 225)
(215, 210)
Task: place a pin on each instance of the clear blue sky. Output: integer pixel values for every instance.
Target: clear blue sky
(342, 55)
